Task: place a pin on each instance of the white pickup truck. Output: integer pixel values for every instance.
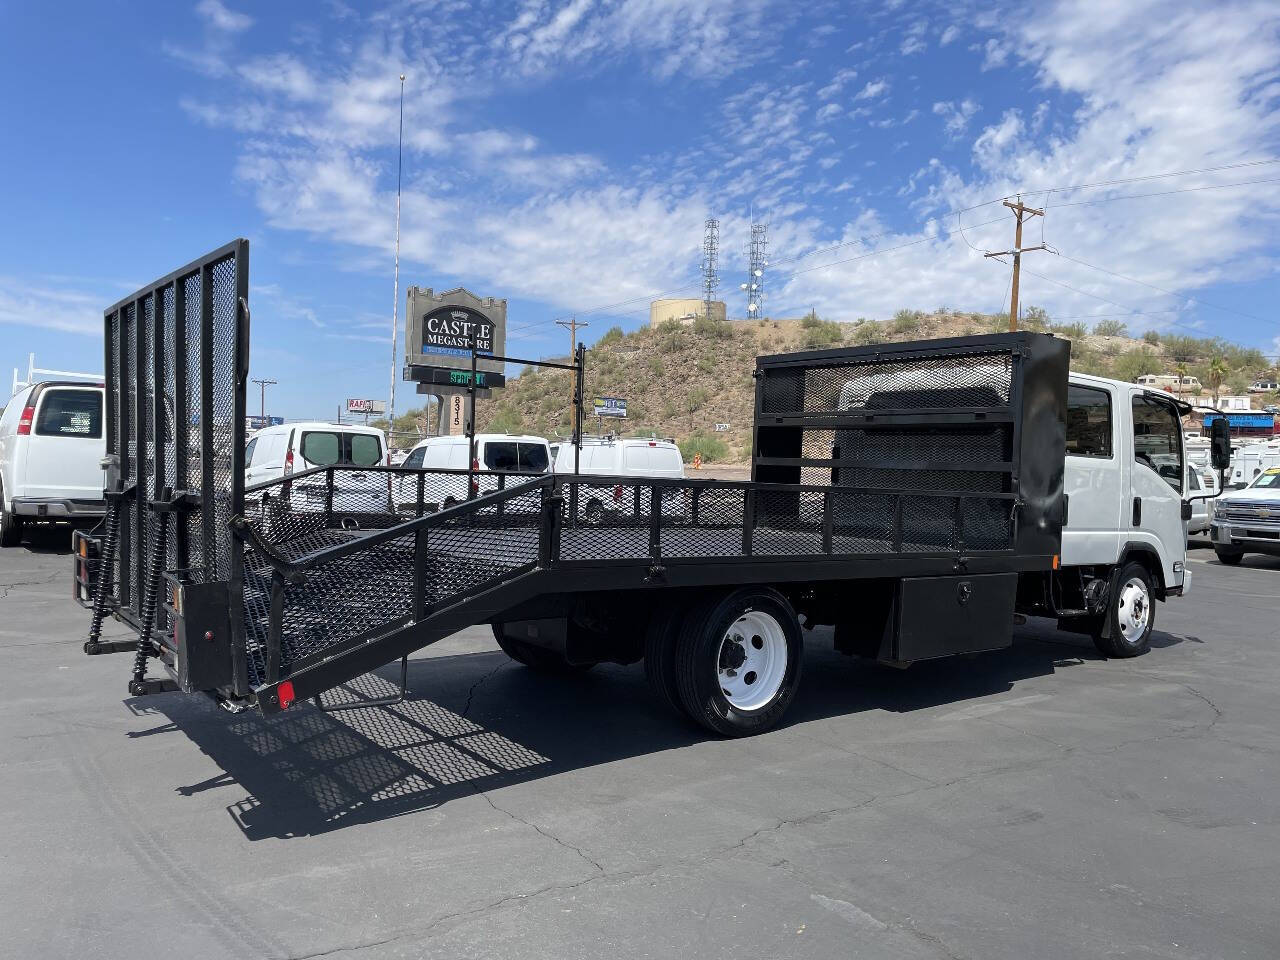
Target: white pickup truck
(1124, 542)
(1248, 520)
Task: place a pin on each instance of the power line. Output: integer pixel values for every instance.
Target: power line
(1166, 193)
(1156, 176)
(1143, 283)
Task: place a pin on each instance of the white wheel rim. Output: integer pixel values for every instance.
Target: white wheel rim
(752, 661)
(1134, 609)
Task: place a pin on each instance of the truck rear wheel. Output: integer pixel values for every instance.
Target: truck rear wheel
(738, 661)
(535, 657)
(1131, 614)
(1228, 556)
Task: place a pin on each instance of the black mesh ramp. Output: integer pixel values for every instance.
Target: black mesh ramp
(176, 367)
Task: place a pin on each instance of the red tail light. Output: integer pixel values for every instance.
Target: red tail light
(286, 695)
(27, 418)
(475, 464)
(288, 463)
(617, 494)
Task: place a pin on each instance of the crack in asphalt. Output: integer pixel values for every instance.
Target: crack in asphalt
(546, 833)
(466, 708)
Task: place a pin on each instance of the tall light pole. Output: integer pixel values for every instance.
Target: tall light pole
(395, 296)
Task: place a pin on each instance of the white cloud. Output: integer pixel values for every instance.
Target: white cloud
(837, 84)
(218, 16)
(873, 89)
(828, 112)
(995, 54)
(914, 40)
(956, 116)
(949, 35)
(52, 307)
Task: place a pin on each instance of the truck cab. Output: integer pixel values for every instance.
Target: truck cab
(1124, 538)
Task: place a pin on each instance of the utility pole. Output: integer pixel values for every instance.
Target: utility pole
(262, 395)
(1019, 211)
(572, 325)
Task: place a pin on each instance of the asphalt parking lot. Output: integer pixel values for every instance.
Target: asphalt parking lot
(1036, 802)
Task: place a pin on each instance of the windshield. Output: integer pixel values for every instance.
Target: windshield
(1269, 479)
(510, 456)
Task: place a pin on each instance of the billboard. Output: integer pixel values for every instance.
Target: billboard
(366, 406)
(1255, 420)
(609, 407)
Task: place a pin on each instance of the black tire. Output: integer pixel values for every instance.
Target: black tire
(1228, 556)
(1130, 598)
(10, 525)
(699, 659)
(593, 512)
(534, 657)
(660, 639)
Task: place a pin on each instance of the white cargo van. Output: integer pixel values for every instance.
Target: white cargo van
(495, 453)
(622, 457)
(280, 451)
(51, 448)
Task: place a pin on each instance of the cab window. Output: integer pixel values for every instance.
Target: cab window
(415, 457)
(1088, 422)
(1157, 439)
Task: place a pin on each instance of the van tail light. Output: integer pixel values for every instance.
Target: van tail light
(28, 417)
(288, 463)
(475, 464)
(617, 494)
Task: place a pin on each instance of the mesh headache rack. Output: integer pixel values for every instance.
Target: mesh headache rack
(909, 460)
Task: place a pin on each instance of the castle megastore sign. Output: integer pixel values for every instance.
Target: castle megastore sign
(454, 329)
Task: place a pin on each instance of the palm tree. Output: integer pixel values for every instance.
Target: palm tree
(1218, 371)
(1182, 373)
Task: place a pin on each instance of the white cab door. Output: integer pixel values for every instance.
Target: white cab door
(1094, 480)
(1158, 478)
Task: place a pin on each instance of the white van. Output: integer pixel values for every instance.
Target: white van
(285, 449)
(623, 457)
(495, 452)
(51, 448)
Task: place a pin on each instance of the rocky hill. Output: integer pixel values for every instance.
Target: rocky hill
(680, 381)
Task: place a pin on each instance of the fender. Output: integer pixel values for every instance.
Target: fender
(1145, 552)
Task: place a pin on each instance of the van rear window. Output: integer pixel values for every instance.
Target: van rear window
(70, 413)
(325, 448)
(509, 456)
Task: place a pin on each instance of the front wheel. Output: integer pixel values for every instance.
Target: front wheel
(1131, 614)
(738, 661)
(1228, 556)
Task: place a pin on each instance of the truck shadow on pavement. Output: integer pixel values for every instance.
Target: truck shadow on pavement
(476, 722)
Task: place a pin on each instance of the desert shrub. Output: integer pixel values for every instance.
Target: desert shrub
(612, 335)
(866, 333)
(1071, 331)
(1152, 337)
(906, 321)
(824, 333)
(712, 329)
(1110, 328)
(709, 445)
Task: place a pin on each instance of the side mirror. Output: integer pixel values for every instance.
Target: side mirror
(1220, 443)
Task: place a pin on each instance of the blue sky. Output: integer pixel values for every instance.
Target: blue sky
(565, 155)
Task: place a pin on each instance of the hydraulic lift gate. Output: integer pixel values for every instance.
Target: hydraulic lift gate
(176, 362)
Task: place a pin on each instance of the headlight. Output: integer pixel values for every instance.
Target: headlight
(1219, 507)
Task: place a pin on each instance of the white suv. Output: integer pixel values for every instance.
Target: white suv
(51, 448)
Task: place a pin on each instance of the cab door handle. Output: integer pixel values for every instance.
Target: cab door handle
(1137, 511)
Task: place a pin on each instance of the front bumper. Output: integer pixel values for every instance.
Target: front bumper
(1252, 536)
(58, 508)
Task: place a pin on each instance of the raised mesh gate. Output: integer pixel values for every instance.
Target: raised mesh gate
(177, 359)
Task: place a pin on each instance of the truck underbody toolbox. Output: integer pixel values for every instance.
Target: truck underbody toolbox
(935, 468)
